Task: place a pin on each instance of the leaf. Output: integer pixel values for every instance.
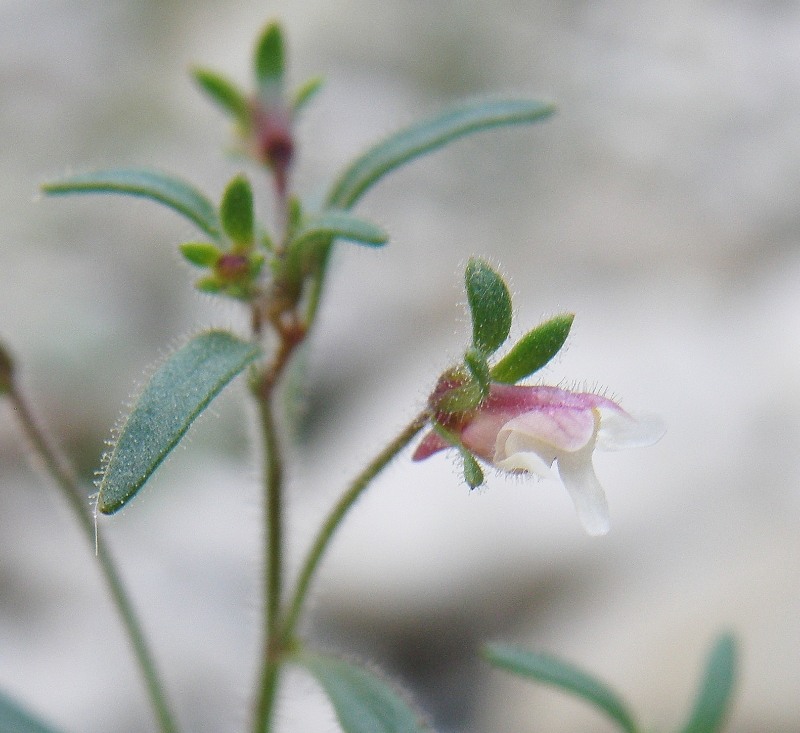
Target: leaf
(533, 350)
(179, 390)
(427, 136)
(490, 306)
(225, 93)
(173, 192)
(364, 703)
(236, 211)
(333, 224)
(200, 254)
(304, 94)
(714, 697)
(14, 719)
(269, 60)
(551, 671)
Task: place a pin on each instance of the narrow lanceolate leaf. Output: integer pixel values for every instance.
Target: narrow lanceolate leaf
(533, 350)
(551, 671)
(305, 93)
(269, 61)
(489, 304)
(713, 700)
(333, 224)
(427, 136)
(225, 93)
(15, 719)
(176, 394)
(173, 192)
(236, 211)
(363, 702)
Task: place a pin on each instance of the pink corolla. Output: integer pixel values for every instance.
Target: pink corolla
(527, 429)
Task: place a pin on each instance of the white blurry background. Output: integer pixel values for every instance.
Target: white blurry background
(660, 205)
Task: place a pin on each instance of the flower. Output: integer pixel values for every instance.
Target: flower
(527, 429)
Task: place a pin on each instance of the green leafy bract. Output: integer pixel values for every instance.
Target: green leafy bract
(535, 349)
(269, 58)
(304, 94)
(225, 93)
(490, 306)
(179, 390)
(713, 699)
(173, 192)
(426, 136)
(14, 719)
(236, 210)
(551, 671)
(364, 703)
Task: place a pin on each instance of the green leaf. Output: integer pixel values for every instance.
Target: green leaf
(427, 136)
(304, 94)
(200, 254)
(551, 671)
(363, 702)
(533, 350)
(14, 719)
(269, 56)
(179, 390)
(490, 306)
(225, 93)
(236, 211)
(173, 192)
(714, 697)
(6, 370)
(333, 224)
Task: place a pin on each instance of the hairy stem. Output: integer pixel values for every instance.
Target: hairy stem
(273, 580)
(63, 475)
(332, 523)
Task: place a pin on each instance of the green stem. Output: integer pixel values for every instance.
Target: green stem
(56, 465)
(345, 503)
(273, 581)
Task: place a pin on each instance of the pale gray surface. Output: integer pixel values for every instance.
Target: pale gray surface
(659, 205)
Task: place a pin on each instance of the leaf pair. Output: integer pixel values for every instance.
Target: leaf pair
(707, 716)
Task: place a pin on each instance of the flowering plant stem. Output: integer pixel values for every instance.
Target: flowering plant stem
(63, 475)
(280, 632)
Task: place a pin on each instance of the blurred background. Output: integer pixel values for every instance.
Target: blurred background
(660, 205)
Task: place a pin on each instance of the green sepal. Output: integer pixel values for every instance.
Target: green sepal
(489, 305)
(304, 93)
(714, 696)
(269, 58)
(535, 349)
(16, 719)
(236, 211)
(465, 398)
(552, 671)
(177, 393)
(363, 701)
(225, 94)
(476, 363)
(200, 254)
(473, 474)
(337, 224)
(426, 136)
(168, 190)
